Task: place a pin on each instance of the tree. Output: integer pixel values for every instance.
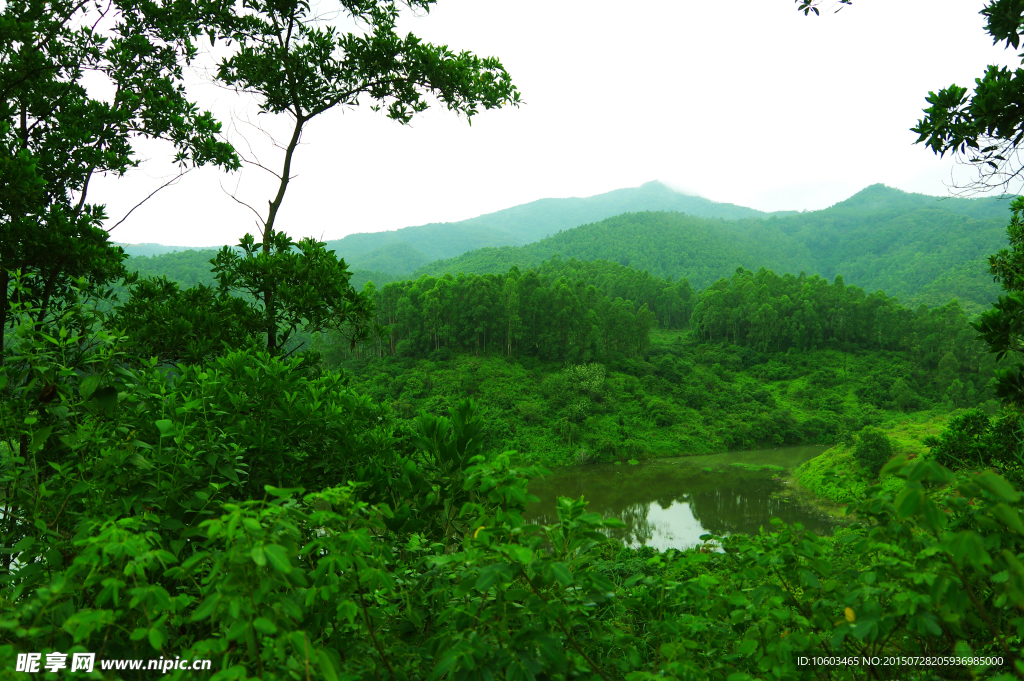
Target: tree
(296, 65)
(293, 285)
(190, 326)
(986, 127)
(949, 369)
(901, 394)
(1002, 327)
(965, 443)
(873, 450)
(56, 135)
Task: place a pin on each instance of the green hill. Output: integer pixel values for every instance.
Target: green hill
(525, 224)
(921, 249)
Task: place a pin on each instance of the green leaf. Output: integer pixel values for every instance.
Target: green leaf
(166, 427)
(264, 626)
(933, 515)
(809, 579)
(968, 546)
(488, 576)
(560, 571)
(908, 502)
(998, 486)
(348, 610)
(106, 397)
(747, 648)
(228, 472)
(206, 608)
(326, 666)
(283, 492)
(156, 638)
(39, 437)
(1009, 517)
(88, 386)
(278, 558)
(258, 556)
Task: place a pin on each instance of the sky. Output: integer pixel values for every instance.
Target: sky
(746, 102)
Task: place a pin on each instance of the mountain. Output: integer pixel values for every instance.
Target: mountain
(519, 225)
(922, 249)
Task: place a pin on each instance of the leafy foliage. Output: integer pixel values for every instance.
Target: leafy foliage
(291, 285)
(190, 325)
(873, 450)
(56, 134)
(154, 517)
(983, 127)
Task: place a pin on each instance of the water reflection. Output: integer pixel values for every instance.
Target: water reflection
(671, 502)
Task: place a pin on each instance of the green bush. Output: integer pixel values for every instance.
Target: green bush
(873, 450)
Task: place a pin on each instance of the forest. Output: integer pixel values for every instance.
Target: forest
(261, 459)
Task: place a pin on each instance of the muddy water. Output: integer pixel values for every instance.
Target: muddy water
(670, 503)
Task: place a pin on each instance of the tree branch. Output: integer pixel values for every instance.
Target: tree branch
(151, 195)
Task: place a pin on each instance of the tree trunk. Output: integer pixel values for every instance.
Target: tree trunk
(269, 301)
(5, 282)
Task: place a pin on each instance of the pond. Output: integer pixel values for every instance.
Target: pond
(670, 503)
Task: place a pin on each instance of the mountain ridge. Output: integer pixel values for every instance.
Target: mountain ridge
(921, 249)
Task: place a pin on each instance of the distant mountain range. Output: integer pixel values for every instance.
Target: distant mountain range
(922, 249)
(919, 248)
(402, 251)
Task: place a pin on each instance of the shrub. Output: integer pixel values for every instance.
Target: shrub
(873, 450)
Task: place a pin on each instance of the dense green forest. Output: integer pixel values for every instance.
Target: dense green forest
(913, 247)
(731, 367)
(398, 412)
(264, 462)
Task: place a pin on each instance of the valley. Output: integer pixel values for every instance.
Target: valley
(626, 435)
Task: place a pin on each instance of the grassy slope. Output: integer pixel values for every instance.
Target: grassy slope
(907, 437)
(684, 398)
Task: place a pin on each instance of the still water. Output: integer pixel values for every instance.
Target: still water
(670, 503)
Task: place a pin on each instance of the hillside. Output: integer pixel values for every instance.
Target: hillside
(918, 248)
(519, 225)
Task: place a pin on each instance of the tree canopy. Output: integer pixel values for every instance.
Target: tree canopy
(56, 134)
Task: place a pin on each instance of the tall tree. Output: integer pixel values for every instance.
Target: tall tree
(299, 66)
(56, 134)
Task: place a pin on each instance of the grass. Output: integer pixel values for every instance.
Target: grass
(837, 476)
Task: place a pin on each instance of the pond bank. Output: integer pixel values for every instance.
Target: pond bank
(670, 503)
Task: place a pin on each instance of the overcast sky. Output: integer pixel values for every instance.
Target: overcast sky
(747, 102)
